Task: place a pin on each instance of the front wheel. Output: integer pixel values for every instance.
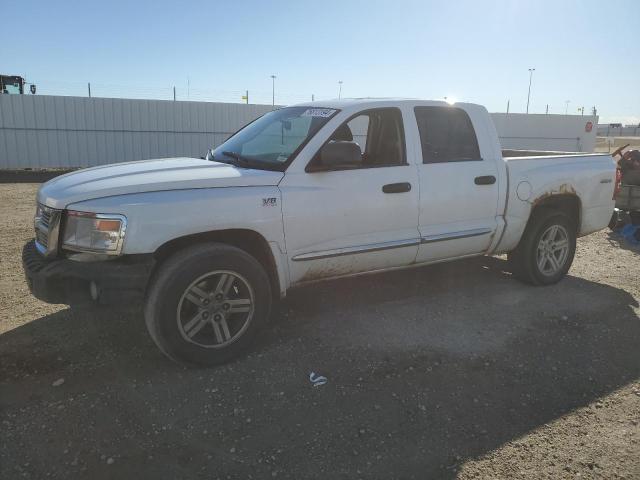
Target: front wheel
(545, 252)
(207, 303)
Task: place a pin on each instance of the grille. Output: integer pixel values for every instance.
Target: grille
(46, 230)
(42, 238)
(46, 217)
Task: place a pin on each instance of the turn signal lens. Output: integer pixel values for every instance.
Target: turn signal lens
(108, 225)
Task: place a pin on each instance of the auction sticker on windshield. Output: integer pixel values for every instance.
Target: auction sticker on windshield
(318, 112)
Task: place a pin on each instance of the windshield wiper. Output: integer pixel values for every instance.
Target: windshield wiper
(246, 162)
(210, 157)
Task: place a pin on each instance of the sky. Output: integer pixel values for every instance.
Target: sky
(586, 52)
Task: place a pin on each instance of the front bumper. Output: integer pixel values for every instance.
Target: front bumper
(71, 282)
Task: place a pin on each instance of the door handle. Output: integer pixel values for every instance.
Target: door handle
(396, 187)
(485, 180)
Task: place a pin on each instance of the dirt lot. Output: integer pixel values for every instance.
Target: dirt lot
(451, 371)
(609, 144)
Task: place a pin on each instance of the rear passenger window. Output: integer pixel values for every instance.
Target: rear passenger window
(446, 135)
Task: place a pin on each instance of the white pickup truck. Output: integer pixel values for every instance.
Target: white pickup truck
(304, 193)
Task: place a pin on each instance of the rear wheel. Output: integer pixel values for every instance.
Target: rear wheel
(207, 303)
(546, 250)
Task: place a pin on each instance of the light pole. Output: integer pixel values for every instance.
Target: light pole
(566, 106)
(531, 70)
(339, 89)
(273, 90)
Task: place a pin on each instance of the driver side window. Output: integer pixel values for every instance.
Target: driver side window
(378, 133)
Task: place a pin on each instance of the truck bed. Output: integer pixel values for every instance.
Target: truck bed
(510, 153)
(589, 177)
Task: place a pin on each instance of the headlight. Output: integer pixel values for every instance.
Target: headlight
(94, 232)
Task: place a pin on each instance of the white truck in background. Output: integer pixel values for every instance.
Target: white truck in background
(306, 193)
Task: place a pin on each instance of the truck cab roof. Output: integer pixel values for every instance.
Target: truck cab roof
(369, 102)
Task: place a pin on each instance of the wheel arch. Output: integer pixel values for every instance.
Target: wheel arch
(567, 203)
(247, 240)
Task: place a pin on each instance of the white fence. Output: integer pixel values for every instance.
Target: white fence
(565, 133)
(39, 131)
(606, 130)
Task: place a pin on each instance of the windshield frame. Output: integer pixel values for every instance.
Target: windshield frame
(281, 167)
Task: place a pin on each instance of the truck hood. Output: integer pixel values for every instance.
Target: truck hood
(149, 176)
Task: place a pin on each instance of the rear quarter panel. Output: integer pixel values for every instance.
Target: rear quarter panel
(591, 178)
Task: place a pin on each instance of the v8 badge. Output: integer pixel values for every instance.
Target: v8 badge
(269, 202)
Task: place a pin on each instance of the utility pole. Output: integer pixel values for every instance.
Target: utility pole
(246, 96)
(547, 110)
(339, 89)
(508, 101)
(174, 93)
(188, 89)
(89, 87)
(273, 90)
(531, 70)
(566, 107)
(313, 97)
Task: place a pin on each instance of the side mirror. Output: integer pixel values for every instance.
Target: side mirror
(339, 155)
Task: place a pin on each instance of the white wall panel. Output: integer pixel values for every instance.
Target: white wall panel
(39, 131)
(567, 133)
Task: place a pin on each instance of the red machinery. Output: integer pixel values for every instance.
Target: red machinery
(627, 189)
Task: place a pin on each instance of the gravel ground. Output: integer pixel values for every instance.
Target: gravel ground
(450, 371)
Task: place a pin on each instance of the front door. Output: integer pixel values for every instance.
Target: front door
(458, 188)
(356, 217)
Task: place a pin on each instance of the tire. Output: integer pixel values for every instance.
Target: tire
(525, 258)
(196, 287)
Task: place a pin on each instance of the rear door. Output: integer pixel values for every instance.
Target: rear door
(358, 217)
(458, 188)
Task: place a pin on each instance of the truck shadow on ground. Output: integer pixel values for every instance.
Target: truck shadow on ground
(426, 368)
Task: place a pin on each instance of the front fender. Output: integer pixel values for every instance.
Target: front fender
(155, 218)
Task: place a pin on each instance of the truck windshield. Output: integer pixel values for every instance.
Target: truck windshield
(272, 139)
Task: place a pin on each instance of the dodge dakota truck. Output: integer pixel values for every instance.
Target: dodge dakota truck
(306, 193)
